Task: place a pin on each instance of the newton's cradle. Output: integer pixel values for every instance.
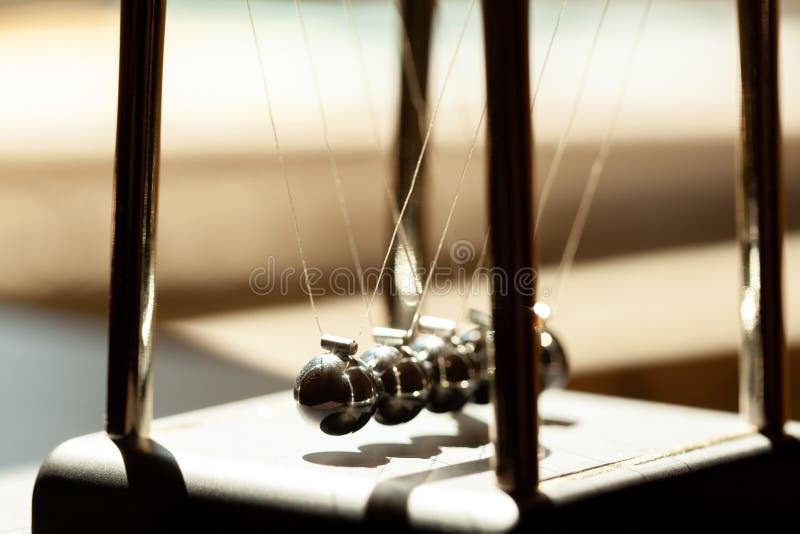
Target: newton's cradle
(522, 456)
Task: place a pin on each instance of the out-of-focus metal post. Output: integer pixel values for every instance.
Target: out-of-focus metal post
(130, 372)
(511, 217)
(762, 362)
(405, 276)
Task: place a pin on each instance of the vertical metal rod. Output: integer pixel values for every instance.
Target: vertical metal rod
(511, 217)
(762, 361)
(130, 393)
(402, 292)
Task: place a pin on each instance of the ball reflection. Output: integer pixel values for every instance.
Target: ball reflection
(336, 393)
(452, 374)
(405, 384)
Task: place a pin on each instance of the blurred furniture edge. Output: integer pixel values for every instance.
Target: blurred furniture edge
(217, 213)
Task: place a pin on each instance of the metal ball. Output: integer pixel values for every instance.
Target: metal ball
(337, 393)
(405, 383)
(452, 374)
(474, 346)
(555, 368)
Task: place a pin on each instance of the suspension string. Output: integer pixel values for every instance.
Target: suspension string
(547, 54)
(417, 99)
(295, 224)
(579, 223)
(555, 164)
(373, 113)
(419, 159)
(465, 299)
(485, 245)
(426, 288)
(337, 180)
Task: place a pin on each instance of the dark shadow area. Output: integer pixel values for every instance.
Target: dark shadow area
(346, 459)
(471, 433)
(156, 487)
(556, 422)
(757, 491)
(146, 493)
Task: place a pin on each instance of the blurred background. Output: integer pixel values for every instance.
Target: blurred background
(649, 311)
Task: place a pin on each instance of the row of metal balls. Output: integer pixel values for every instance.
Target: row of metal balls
(339, 392)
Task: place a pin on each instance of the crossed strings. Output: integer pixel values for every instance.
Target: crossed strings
(332, 157)
(596, 170)
(586, 197)
(418, 103)
(373, 114)
(414, 177)
(334, 168)
(485, 243)
(555, 164)
(411, 73)
(463, 174)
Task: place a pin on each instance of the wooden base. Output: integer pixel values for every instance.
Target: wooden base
(253, 465)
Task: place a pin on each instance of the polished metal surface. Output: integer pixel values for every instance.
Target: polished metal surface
(407, 256)
(130, 372)
(763, 363)
(555, 365)
(506, 49)
(343, 346)
(337, 393)
(453, 377)
(394, 337)
(406, 383)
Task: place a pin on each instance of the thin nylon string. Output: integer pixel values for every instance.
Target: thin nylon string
(555, 164)
(419, 160)
(373, 114)
(295, 225)
(415, 93)
(547, 54)
(449, 219)
(484, 247)
(579, 223)
(337, 180)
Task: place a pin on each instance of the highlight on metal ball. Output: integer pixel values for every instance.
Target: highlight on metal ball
(453, 376)
(404, 379)
(335, 391)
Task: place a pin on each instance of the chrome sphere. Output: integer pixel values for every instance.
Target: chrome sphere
(405, 383)
(555, 368)
(473, 343)
(453, 376)
(337, 393)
